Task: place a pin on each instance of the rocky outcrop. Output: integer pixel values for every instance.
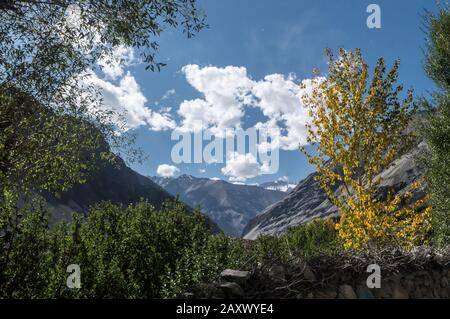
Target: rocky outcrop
(308, 201)
(422, 273)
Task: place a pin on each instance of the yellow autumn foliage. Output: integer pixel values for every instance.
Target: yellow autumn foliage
(357, 126)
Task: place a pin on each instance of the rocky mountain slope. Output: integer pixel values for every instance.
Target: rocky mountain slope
(308, 201)
(230, 206)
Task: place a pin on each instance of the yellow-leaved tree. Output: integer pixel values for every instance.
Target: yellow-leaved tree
(357, 125)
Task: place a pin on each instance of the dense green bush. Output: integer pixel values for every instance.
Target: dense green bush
(23, 249)
(137, 252)
(133, 252)
(314, 238)
(437, 128)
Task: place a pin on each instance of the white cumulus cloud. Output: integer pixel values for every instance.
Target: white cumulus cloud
(228, 91)
(166, 170)
(119, 90)
(113, 65)
(240, 167)
(279, 99)
(224, 92)
(126, 100)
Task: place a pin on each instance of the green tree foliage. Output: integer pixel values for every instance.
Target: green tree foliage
(23, 249)
(43, 150)
(45, 43)
(54, 129)
(437, 60)
(311, 239)
(46, 47)
(437, 128)
(136, 252)
(316, 237)
(40, 150)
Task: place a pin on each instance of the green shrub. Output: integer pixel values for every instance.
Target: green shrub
(23, 248)
(133, 252)
(138, 252)
(269, 249)
(437, 128)
(316, 237)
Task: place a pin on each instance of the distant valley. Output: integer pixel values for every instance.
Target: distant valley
(230, 206)
(118, 184)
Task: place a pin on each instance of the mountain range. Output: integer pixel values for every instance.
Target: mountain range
(238, 210)
(116, 183)
(230, 206)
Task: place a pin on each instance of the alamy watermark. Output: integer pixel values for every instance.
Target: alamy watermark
(374, 19)
(206, 147)
(74, 279)
(374, 279)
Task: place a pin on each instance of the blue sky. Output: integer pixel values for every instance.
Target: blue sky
(263, 38)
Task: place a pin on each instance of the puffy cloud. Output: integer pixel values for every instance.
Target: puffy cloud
(127, 100)
(228, 91)
(122, 96)
(74, 22)
(279, 98)
(113, 65)
(224, 90)
(195, 114)
(165, 170)
(240, 167)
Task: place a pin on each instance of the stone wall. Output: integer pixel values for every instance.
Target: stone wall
(422, 273)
